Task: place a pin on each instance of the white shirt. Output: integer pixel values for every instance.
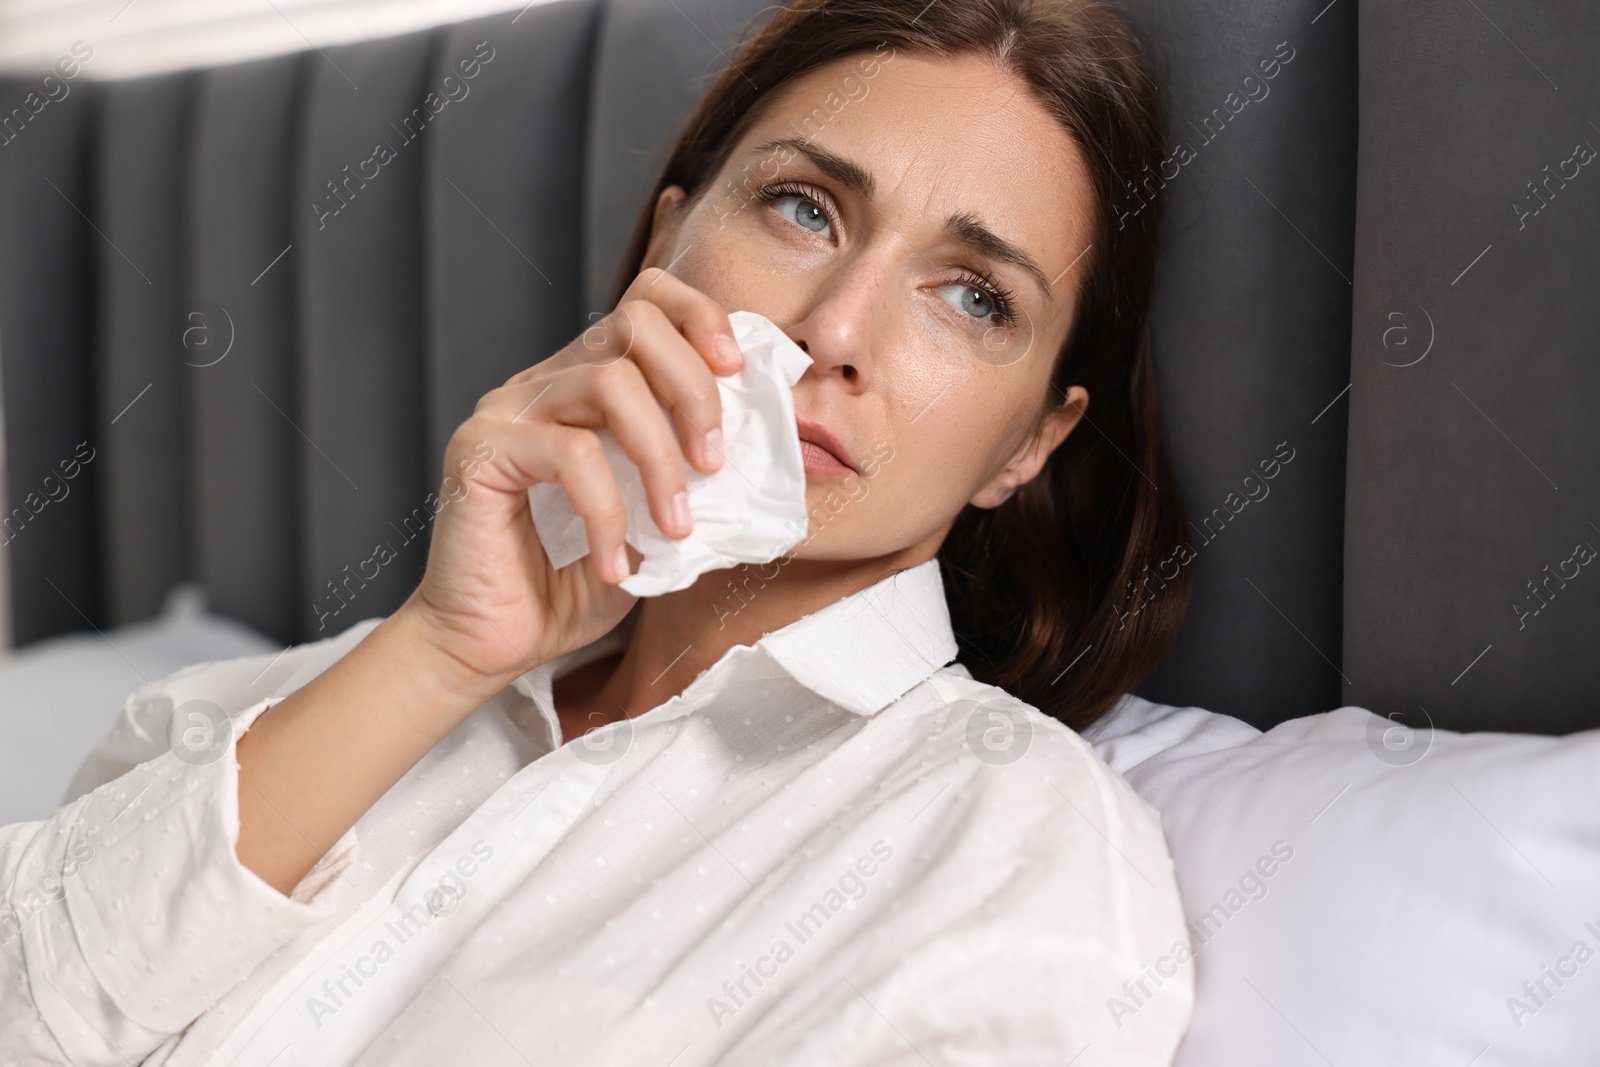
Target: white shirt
(834, 847)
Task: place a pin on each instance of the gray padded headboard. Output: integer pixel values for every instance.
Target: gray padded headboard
(1474, 470)
(1327, 186)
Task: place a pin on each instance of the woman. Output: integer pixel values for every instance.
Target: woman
(527, 817)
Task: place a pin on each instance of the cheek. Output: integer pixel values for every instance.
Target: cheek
(921, 391)
(718, 267)
(938, 469)
(732, 270)
(948, 417)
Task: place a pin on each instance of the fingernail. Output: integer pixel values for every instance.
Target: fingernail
(714, 446)
(728, 349)
(680, 512)
(620, 561)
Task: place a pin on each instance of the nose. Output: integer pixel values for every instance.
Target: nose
(837, 330)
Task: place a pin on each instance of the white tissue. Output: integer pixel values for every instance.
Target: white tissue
(751, 510)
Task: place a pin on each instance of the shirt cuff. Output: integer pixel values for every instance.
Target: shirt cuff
(160, 914)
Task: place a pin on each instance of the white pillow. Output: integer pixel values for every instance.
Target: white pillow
(1361, 894)
(58, 697)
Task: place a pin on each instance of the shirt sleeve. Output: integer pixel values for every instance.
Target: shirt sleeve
(127, 912)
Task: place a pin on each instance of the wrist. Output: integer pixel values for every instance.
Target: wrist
(427, 657)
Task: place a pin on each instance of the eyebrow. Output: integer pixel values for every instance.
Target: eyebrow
(963, 227)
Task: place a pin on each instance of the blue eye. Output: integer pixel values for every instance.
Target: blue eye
(808, 210)
(807, 213)
(981, 299)
(973, 301)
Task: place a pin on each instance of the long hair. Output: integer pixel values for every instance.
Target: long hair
(1061, 595)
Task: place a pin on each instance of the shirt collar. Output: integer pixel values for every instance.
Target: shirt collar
(864, 651)
(861, 652)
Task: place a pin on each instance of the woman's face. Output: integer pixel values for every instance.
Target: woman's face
(916, 225)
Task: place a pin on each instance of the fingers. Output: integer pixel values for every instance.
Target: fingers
(641, 371)
(700, 319)
(683, 380)
(618, 398)
(574, 458)
(631, 411)
(628, 407)
(681, 339)
(704, 326)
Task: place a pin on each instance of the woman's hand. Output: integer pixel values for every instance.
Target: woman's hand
(489, 599)
(489, 606)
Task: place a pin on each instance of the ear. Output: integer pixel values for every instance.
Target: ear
(664, 225)
(1030, 458)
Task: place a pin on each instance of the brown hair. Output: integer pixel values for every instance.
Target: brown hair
(1038, 587)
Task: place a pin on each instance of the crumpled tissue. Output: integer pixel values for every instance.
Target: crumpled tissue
(751, 510)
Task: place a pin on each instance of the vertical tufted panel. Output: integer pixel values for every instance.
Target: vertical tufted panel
(240, 331)
(1251, 336)
(360, 306)
(504, 181)
(655, 62)
(1472, 588)
(140, 188)
(46, 330)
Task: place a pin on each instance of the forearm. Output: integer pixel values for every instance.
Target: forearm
(315, 762)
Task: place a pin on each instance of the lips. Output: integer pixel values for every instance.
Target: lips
(822, 451)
